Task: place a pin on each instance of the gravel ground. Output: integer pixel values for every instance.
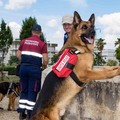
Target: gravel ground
(5, 114)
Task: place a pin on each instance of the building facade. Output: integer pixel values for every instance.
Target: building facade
(51, 50)
(14, 47)
(109, 54)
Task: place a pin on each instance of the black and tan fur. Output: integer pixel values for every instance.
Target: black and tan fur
(57, 93)
(13, 93)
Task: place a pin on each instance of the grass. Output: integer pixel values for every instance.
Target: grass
(10, 78)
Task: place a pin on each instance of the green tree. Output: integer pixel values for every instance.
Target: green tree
(111, 62)
(117, 51)
(117, 42)
(6, 39)
(117, 54)
(27, 27)
(13, 60)
(98, 60)
(99, 45)
(54, 59)
(43, 38)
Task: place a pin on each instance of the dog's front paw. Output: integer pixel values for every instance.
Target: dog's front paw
(111, 68)
(119, 71)
(9, 109)
(1, 108)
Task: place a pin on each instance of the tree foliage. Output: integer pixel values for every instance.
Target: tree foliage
(117, 54)
(111, 63)
(117, 51)
(13, 60)
(98, 59)
(43, 38)
(27, 27)
(100, 44)
(117, 42)
(54, 59)
(6, 39)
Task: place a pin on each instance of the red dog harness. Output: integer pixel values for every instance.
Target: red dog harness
(64, 66)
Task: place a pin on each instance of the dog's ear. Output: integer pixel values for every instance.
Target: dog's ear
(92, 19)
(76, 19)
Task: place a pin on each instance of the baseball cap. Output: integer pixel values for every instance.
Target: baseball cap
(36, 27)
(67, 19)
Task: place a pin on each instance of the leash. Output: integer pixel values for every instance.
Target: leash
(11, 88)
(15, 93)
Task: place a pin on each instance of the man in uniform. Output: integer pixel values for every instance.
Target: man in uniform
(33, 55)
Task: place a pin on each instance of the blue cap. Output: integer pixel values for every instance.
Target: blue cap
(36, 27)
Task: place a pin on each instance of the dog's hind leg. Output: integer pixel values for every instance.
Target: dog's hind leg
(54, 114)
(11, 104)
(46, 114)
(1, 97)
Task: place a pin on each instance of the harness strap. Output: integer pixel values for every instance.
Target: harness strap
(72, 74)
(11, 88)
(77, 81)
(15, 93)
(69, 65)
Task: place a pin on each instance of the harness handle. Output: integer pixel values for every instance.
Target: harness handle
(10, 86)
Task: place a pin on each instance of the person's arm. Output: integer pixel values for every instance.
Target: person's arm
(19, 54)
(45, 56)
(20, 50)
(45, 60)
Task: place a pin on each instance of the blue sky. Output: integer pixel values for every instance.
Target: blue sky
(49, 14)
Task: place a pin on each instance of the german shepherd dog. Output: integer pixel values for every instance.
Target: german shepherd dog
(12, 91)
(56, 92)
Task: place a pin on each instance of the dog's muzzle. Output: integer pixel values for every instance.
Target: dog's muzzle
(88, 36)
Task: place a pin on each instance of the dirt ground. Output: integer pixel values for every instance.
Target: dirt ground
(8, 115)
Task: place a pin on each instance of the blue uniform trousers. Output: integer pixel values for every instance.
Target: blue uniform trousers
(30, 81)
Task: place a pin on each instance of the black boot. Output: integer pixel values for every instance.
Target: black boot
(28, 117)
(22, 116)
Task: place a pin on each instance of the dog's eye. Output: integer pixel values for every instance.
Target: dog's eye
(84, 27)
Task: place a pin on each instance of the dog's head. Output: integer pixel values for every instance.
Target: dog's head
(82, 34)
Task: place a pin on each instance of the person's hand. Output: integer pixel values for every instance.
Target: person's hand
(44, 67)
